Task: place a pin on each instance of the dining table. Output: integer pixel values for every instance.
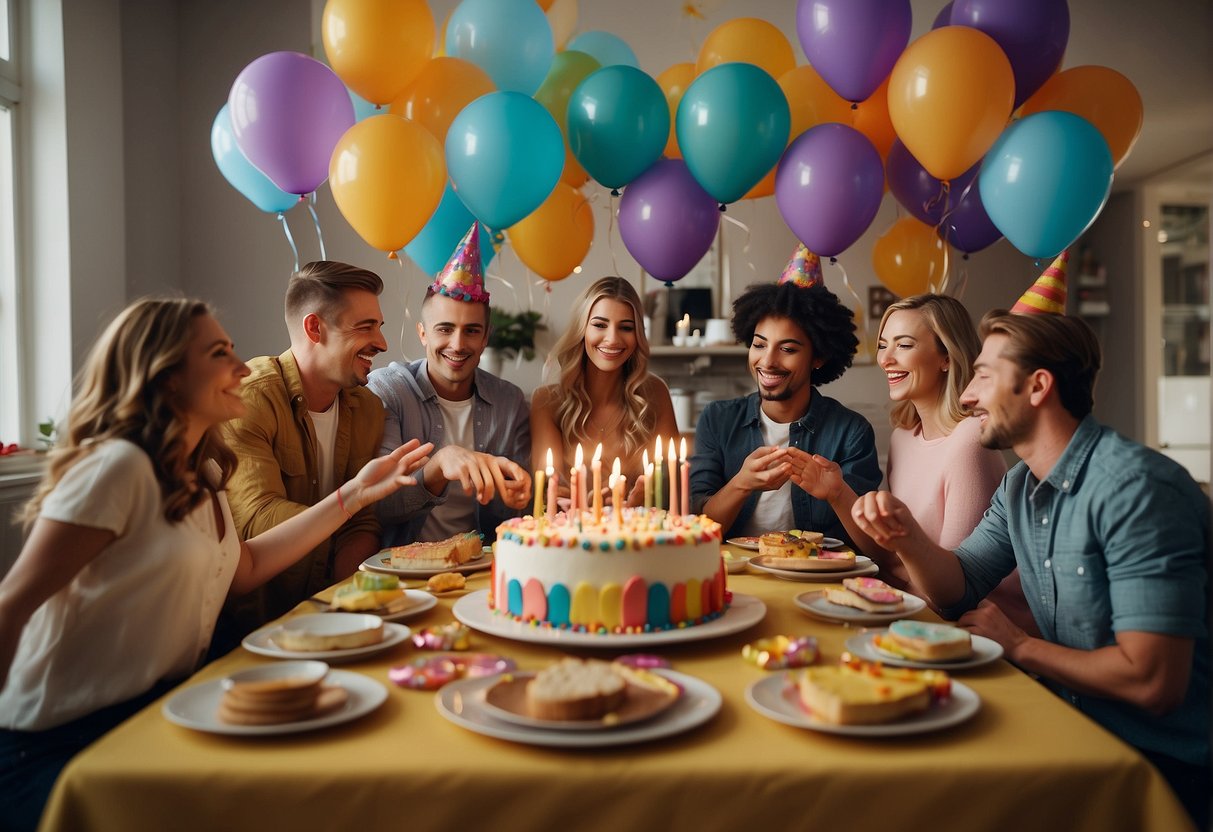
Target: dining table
(1022, 758)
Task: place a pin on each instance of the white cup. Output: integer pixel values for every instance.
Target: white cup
(718, 331)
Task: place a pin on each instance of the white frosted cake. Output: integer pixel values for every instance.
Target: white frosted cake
(651, 572)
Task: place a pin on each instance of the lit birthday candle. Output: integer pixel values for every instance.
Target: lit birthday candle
(646, 477)
(618, 481)
(537, 513)
(686, 476)
(551, 472)
(597, 467)
(672, 461)
(575, 475)
(657, 501)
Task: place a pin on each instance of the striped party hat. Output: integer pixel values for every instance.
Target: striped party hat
(1047, 296)
(463, 276)
(804, 269)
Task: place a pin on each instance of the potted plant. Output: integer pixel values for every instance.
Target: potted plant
(510, 334)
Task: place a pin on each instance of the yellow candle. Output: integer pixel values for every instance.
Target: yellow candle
(538, 512)
(597, 467)
(617, 492)
(648, 485)
(686, 477)
(576, 485)
(673, 463)
(657, 501)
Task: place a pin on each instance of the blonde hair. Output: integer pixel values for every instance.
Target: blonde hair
(956, 338)
(573, 408)
(123, 393)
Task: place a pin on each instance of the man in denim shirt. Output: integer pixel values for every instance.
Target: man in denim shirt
(1111, 540)
(750, 452)
(480, 424)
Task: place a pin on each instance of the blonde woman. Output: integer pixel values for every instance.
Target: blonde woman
(131, 546)
(937, 466)
(604, 391)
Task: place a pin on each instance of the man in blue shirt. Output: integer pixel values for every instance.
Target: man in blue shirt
(1111, 540)
(749, 452)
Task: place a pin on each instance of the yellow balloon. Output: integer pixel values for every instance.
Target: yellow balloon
(674, 82)
(747, 40)
(377, 46)
(573, 174)
(910, 258)
(1102, 96)
(556, 236)
(950, 96)
(562, 17)
(443, 88)
(387, 175)
(871, 118)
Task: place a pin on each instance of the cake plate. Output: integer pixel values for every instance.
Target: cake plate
(473, 610)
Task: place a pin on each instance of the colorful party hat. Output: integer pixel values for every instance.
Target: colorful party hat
(804, 269)
(462, 277)
(1047, 296)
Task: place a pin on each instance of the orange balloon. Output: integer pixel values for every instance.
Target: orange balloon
(811, 102)
(871, 118)
(1102, 96)
(443, 88)
(387, 175)
(950, 95)
(376, 48)
(674, 82)
(544, 4)
(747, 40)
(562, 17)
(573, 174)
(556, 236)
(910, 258)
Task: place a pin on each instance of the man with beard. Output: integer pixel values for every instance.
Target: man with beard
(480, 424)
(749, 451)
(1111, 540)
(310, 425)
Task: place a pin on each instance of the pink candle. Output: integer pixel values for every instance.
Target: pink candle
(686, 477)
(551, 472)
(617, 492)
(577, 480)
(597, 496)
(572, 491)
(673, 461)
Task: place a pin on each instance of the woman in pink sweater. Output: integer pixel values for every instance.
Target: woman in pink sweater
(937, 466)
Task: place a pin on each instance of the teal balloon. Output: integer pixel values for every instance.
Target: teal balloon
(732, 126)
(606, 48)
(1045, 181)
(504, 154)
(619, 123)
(511, 40)
(436, 242)
(240, 172)
(362, 108)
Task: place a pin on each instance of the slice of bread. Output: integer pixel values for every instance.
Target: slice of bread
(574, 689)
(438, 554)
(301, 639)
(869, 695)
(925, 641)
(370, 592)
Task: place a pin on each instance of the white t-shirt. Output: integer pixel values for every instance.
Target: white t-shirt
(774, 510)
(142, 611)
(457, 514)
(325, 425)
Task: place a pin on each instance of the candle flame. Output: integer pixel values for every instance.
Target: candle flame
(682, 450)
(615, 468)
(598, 453)
(644, 460)
(549, 459)
(648, 469)
(672, 457)
(579, 456)
(657, 449)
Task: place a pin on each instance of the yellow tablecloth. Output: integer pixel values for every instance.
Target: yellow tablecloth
(1027, 760)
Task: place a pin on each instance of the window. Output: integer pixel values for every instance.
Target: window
(11, 388)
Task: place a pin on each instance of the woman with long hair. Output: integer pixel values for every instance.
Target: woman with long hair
(937, 466)
(131, 547)
(604, 391)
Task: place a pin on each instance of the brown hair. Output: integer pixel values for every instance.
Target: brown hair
(320, 287)
(956, 338)
(122, 393)
(1063, 345)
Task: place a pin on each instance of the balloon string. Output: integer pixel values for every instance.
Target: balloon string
(951, 208)
(611, 206)
(286, 229)
(945, 188)
(507, 284)
(943, 285)
(962, 277)
(408, 313)
(859, 310)
(311, 207)
(745, 249)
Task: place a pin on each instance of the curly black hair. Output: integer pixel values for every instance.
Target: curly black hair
(815, 309)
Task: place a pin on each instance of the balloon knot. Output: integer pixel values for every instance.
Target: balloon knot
(833, 261)
(964, 256)
(303, 197)
(669, 284)
(723, 208)
(391, 255)
(854, 105)
(614, 192)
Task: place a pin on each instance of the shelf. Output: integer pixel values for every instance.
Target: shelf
(691, 353)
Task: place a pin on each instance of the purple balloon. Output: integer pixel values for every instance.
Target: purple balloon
(667, 220)
(288, 112)
(853, 44)
(944, 18)
(828, 187)
(968, 227)
(918, 191)
(1033, 33)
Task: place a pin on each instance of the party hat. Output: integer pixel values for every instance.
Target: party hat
(462, 277)
(1047, 296)
(804, 269)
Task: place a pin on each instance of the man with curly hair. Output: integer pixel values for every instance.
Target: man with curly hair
(751, 452)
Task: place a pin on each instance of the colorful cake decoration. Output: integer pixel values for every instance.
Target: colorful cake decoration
(781, 652)
(463, 278)
(804, 269)
(1047, 296)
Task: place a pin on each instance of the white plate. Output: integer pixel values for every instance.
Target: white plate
(774, 698)
(423, 602)
(985, 650)
(375, 563)
(815, 604)
(648, 704)
(473, 610)
(462, 702)
(863, 566)
(735, 563)
(197, 707)
(261, 642)
(751, 543)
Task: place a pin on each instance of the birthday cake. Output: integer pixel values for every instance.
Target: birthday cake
(647, 572)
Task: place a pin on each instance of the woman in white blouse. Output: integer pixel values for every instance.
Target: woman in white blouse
(131, 547)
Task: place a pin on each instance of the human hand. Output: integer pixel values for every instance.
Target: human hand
(473, 471)
(820, 477)
(988, 620)
(383, 475)
(636, 495)
(765, 469)
(512, 482)
(885, 519)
